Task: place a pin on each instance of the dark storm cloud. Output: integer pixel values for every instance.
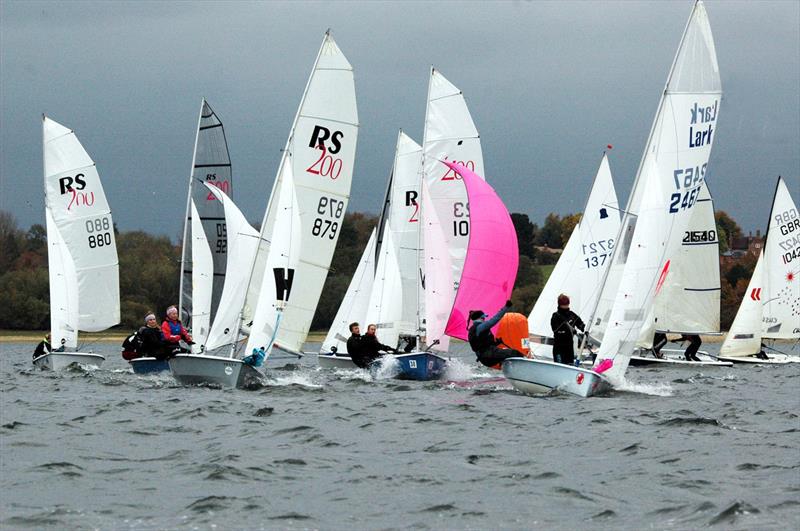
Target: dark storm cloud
(548, 84)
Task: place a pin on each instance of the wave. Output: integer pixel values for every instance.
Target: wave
(642, 388)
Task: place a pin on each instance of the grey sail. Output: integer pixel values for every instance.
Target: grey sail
(212, 164)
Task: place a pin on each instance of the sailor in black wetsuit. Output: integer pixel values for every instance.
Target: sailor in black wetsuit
(43, 348)
(370, 346)
(694, 345)
(659, 340)
(482, 340)
(354, 347)
(564, 322)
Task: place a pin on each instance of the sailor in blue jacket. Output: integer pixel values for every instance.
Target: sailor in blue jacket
(482, 340)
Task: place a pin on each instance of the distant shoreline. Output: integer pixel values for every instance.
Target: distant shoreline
(112, 336)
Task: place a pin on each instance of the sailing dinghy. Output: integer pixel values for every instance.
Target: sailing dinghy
(81, 249)
(689, 300)
(580, 269)
(282, 279)
(771, 305)
(666, 188)
(203, 270)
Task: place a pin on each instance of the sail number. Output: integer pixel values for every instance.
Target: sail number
(600, 251)
(222, 239)
(329, 208)
(698, 236)
(687, 182)
(460, 226)
(452, 175)
(789, 224)
(99, 230)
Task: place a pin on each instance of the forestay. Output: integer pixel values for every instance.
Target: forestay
(321, 149)
(781, 280)
(211, 164)
(450, 134)
(354, 305)
(744, 336)
(82, 251)
(689, 300)
(580, 269)
(490, 267)
(666, 189)
(242, 244)
(202, 282)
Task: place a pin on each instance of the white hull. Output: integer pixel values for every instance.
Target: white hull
(335, 362)
(56, 361)
(190, 369)
(773, 359)
(537, 376)
(676, 357)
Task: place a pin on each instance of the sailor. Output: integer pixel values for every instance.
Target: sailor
(659, 340)
(482, 340)
(564, 322)
(43, 347)
(174, 331)
(370, 346)
(354, 348)
(152, 340)
(694, 345)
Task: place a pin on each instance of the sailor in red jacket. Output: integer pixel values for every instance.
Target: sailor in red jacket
(173, 330)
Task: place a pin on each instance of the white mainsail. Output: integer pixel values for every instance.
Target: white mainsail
(355, 302)
(384, 308)
(211, 163)
(666, 188)
(242, 245)
(82, 251)
(404, 219)
(781, 280)
(450, 134)
(744, 337)
(580, 269)
(202, 282)
(321, 149)
(689, 300)
(282, 263)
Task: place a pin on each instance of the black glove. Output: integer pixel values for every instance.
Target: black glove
(508, 303)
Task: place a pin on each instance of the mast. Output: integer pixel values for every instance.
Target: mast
(188, 206)
(421, 318)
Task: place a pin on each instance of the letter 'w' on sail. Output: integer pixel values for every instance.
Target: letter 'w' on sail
(385, 301)
(355, 302)
(438, 273)
(664, 193)
(82, 251)
(282, 263)
(211, 163)
(689, 300)
(744, 337)
(781, 294)
(580, 270)
(450, 135)
(242, 244)
(202, 282)
(490, 268)
(322, 145)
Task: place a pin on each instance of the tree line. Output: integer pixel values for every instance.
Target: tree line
(150, 265)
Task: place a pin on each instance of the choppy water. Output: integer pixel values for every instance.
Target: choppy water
(312, 448)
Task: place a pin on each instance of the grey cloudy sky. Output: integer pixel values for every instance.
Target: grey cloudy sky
(549, 84)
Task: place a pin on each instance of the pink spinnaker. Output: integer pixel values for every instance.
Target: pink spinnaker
(490, 267)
